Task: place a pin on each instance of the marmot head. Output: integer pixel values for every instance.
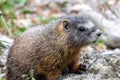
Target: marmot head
(79, 31)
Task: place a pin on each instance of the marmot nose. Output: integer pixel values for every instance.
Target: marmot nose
(98, 34)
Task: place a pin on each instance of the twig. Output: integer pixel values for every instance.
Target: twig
(113, 11)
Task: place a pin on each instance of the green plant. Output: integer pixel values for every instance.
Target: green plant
(20, 31)
(31, 76)
(27, 11)
(2, 78)
(7, 7)
(43, 20)
(4, 24)
(21, 2)
(63, 5)
(100, 42)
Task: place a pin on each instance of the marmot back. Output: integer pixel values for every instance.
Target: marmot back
(45, 51)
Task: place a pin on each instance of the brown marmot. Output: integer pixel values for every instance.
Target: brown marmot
(45, 51)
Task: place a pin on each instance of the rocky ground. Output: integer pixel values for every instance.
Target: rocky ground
(103, 65)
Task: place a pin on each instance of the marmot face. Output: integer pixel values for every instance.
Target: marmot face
(81, 31)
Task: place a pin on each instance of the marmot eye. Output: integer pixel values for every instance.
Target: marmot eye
(82, 28)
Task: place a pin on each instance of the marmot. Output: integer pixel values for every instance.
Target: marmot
(46, 50)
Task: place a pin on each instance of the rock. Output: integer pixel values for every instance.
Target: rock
(89, 76)
(78, 7)
(104, 65)
(27, 23)
(0, 12)
(5, 44)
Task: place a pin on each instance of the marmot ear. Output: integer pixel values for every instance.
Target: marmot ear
(66, 24)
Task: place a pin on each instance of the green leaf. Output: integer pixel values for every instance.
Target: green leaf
(2, 78)
(20, 31)
(47, 21)
(5, 24)
(21, 2)
(26, 11)
(108, 40)
(24, 75)
(64, 4)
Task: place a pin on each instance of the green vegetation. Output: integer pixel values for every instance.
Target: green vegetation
(27, 11)
(29, 76)
(100, 42)
(43, 20)
(2, 78)
(8, 8)
(4, 23)
(20, 31)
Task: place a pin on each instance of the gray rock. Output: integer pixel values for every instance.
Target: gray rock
(0, 12)
(104, 65)
(5, 44)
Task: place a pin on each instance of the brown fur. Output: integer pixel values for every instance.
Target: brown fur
(46, 50)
